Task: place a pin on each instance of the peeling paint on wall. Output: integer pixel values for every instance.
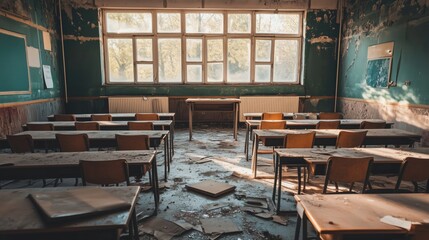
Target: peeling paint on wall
(80, 38)
(321, 39)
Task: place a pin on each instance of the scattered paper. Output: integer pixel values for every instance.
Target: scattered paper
(219, 226)
(162, 229)
(280, 220)
(47, 75)
(398, 222)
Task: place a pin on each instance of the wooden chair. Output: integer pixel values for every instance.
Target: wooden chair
(328, 125)
(132, 142)
(87, 125)
(107, 173)
(372, 125)
(349, 139)
(72, 142)
(40, 127)
(272, 116)
(140, 126)
(330, 115)
(298, 140)
(414, 170)
(270, 124)
(21, 143)
(101, 117)
(64, 117)
(146, 116)
(348, 170)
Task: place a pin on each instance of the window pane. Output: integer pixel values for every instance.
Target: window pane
(286, 61)
(144, 49)
(168, 22)
(238, 60)
(170, 62)
(215, 50)
(277, 23)
(263, 51)
(145, 73)
(120, 52)
(215, 72)
(262, 73)
(128, 22)
(194, 73)
(204, 23)
(194, 49)
(239, 23)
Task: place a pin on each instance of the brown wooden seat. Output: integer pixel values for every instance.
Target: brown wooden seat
(132, 142)
(146, 116)
(72, 142)
(372, 125)
(64, 117)
(20, 143)
(330, 115)
(87, 125)
(414, 170)
(40, 127)
(298, 140)
(328, 125)
(270, 124)
(350, 139)
(101, 117)
(348, 170)
(140, 126)
(106, 173)
(272, 116)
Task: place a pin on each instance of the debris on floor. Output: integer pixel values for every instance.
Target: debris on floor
(211, 188)
(219, 226)
(164, 229)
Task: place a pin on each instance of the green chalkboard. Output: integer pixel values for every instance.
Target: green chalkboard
(14, 73)
(378, 72)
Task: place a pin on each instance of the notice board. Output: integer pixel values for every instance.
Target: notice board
(15, 77)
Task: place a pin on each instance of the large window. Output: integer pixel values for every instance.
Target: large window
(202, 47)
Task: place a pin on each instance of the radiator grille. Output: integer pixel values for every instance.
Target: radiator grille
(256, 104)
(138, 104)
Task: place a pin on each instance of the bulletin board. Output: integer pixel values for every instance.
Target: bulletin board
(379, 65)
(15, 77)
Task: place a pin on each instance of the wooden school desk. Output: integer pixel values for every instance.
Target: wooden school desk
(19, 218)
(117, 116)
(213, 105)
(358, 215)
(328, 137)
(66, 165)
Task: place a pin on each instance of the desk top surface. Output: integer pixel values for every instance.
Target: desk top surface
(213, 100)
(361, 213)
(88, 115)
(308, 122)
(19, 215)
(102, 123)
(73, 158)
(381, 155)
(93, 135)
(333, 133)
(285, 114)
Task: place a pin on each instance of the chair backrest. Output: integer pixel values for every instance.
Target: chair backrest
(87, 125)
(64, 117)
(146, 116)
(414, 170)
(272, 124)
(348, 170)
(349, 139)
(330, 115)
(272, 116)
(328, 125)
(132, 142)
(73, 142)
(40, 127)
(104, 172)
(140, 126)
(20, 143)
(101, 117)
(372, 125)
(299, 140)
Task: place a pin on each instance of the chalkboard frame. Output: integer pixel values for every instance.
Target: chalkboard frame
(24, 37)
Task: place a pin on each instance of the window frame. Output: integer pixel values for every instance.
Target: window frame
(154, 35)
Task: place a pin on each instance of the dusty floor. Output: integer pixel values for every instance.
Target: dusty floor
(225, 163)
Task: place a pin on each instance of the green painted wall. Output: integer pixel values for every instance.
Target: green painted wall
(84, 63)
(367, 23)
(43, 13)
